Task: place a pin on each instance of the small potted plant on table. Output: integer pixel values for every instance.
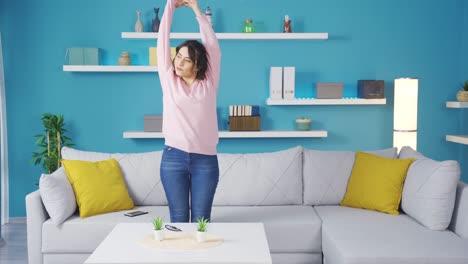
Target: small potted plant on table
(158, 228)
(202, 224)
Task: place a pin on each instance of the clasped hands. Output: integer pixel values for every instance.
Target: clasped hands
(189, 3)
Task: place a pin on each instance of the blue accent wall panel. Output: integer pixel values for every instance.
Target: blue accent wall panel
(463, 70)
(368, 39)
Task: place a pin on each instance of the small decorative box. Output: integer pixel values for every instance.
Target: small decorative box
(244, 123)
(329, 90)
(153, 123)
(83, 56)
(371, 89)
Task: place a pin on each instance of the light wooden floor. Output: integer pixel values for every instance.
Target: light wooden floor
(13, 248)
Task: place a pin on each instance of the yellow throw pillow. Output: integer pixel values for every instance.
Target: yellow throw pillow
(376, 183)
(99, 186)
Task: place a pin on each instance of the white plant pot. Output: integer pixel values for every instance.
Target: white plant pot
(462, 96)
(201, 236)
(159, 234)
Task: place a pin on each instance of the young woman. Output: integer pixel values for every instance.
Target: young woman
(189, 164)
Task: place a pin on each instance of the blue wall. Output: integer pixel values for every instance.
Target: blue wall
(367, 40)
(2, 22)
(463, 113)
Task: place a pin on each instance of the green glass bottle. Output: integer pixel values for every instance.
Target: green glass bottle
(248, 26)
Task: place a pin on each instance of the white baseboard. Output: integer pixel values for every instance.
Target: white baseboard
(17, 220)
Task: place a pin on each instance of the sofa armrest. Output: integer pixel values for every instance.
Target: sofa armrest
(459, 223)
(36, 215)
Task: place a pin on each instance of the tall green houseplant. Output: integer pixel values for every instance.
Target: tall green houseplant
(51, 142)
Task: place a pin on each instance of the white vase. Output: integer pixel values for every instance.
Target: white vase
(201, 236)
(139, 24)
(159, 234)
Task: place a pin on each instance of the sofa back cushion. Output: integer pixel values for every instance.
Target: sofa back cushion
(57, 196)
(326, 174)
(140, 172)
(430, 189)
(273, 178)
(459, 223)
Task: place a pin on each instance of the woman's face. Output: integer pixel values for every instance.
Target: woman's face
(183, 65)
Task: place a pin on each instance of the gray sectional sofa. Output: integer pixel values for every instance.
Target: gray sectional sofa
(296, 194)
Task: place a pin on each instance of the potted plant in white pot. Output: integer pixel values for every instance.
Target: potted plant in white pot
(202, 224)
(158, 228)
(462, 96)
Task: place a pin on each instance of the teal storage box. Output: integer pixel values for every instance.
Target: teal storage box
(83, 56)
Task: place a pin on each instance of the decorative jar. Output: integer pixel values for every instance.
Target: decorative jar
(303, 124)
(248, 26)
(124, 59)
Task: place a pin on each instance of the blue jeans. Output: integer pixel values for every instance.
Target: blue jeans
(185, 175)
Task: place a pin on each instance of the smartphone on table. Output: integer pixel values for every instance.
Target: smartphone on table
(135, 213)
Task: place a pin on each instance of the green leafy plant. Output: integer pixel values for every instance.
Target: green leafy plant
(202, 224)
(158, 223)
(51, 142)
(465, 86)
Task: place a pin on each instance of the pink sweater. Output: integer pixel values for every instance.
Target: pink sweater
(190, 121)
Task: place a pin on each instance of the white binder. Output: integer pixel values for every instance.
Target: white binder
(289, 76)
(276, 82)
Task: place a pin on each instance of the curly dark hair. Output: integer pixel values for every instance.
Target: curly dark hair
(198, 54)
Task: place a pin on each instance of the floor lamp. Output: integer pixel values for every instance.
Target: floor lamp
(405, 113)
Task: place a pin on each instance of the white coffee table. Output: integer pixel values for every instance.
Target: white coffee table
(244, 243)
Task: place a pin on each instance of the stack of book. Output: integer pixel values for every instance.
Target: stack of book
(244, 118)
(244, 110)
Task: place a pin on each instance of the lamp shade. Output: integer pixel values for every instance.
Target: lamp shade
(405, 113)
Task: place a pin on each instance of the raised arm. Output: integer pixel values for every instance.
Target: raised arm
(164, 44)
(209, 39)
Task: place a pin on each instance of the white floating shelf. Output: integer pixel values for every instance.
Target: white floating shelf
(344, 101)
(457, 104)
(110, 68)
(274, 134)
(264, 36)
(242, 134)
(457, 139)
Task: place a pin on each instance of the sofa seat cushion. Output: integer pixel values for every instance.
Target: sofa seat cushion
(352, 236)
(83, 235)
(289, 229)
